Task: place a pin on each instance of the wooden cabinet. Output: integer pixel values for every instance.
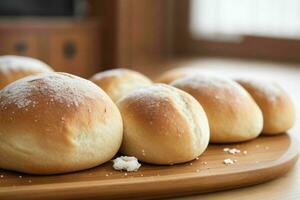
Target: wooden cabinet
(65, 44)
(20, 44)
(75, 49)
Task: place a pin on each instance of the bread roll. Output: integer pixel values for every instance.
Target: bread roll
(13, 68)
(277, 107)
(173, 74)
(56, 123)
(163, 125)
(233, 115)
(120, 82)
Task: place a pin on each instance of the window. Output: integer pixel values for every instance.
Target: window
(259, 29)
(226, 19)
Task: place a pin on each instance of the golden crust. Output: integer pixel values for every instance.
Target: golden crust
(120, 82)
(163, 125)
(13, 68)
(232, 114)
(277, 107)
(173, 74)
(59, 123)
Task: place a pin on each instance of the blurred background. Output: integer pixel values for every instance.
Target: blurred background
(86, 36)
(259, 38)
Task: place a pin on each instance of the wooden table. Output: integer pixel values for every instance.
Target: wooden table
(288, 76)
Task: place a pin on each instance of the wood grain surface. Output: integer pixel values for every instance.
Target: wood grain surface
(266, 159)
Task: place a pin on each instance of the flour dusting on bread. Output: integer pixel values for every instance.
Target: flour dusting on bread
(19, 63)
(62, 88)
(269, 89)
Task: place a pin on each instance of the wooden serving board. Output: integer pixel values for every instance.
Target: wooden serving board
(267, 158)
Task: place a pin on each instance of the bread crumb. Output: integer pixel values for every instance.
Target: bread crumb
(228, 161)
(125, 174)
(226, 149)
(232, 151)
(29, 181)
(197, 158)
(20, 176)
(245, 152)
(191, 163)
(1, 176)
(143, 152)
(126, 163)
(205, 163)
